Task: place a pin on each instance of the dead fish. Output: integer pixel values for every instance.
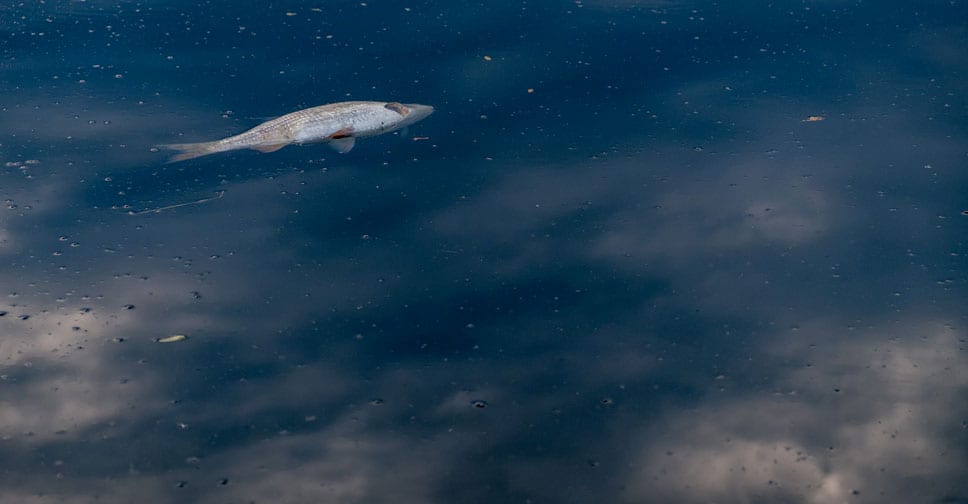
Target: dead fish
(339, 124)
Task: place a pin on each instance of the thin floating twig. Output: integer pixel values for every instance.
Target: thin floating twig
(218, 195)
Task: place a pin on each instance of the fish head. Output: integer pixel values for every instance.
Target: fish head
(415, 113)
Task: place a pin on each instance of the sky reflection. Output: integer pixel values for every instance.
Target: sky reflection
(648, 279)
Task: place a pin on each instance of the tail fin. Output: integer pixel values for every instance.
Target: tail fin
(189, 150)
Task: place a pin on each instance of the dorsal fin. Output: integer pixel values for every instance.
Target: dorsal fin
(398, 108)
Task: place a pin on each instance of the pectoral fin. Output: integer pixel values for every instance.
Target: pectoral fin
(269, 148)
(343, 145)
(342, 133)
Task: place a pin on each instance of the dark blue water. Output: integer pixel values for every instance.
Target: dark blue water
(643, 252)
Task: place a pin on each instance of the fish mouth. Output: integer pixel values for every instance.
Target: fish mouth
(418, 112)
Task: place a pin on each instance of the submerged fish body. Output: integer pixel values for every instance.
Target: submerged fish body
(337, 123)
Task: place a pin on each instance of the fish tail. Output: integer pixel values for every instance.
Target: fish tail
(191, 150)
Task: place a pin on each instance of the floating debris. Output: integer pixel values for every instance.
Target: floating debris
(172, 339)
(817, 118)
(218, 195)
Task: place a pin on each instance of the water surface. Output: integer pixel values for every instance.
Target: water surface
(642, 252)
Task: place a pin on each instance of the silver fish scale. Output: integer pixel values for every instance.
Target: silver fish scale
(317, 123)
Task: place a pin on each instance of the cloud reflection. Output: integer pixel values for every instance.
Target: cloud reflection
(838, 428)
(710, 306)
